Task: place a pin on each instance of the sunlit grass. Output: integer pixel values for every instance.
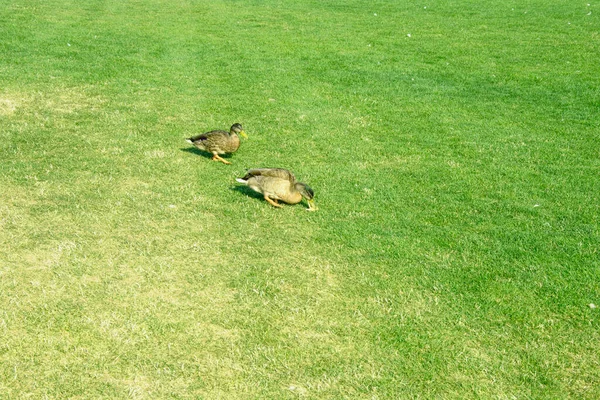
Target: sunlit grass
(453, 152)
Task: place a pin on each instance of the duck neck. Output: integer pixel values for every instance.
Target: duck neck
(234, 139)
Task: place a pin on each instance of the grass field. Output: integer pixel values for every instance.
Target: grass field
(455, 154)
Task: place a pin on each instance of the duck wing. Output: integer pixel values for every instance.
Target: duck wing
(210, 137)
(278, 173)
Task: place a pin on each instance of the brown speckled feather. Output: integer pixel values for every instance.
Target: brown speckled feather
(279, 173)
(219, 142)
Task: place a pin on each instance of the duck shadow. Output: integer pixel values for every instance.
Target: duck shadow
(205, 154)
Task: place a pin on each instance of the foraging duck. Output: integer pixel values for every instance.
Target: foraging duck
(278, 184)
(219, 141)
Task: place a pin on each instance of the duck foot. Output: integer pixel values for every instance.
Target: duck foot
(274, 203)
(217, 158)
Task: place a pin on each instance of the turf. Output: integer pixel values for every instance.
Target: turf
(453, 149)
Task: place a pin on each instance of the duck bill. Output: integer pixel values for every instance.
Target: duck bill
(243, 134)
(311, 205)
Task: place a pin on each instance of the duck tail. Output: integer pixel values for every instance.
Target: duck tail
(240, 180)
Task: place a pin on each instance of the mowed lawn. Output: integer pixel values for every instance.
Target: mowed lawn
(454, 149)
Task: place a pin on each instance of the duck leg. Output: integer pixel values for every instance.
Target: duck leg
(274, 203)
(217, 158)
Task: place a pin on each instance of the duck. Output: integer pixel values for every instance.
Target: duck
(278, 184)
(219, 141)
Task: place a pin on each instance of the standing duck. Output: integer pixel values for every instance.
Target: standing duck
(219, 142)
(278, 184)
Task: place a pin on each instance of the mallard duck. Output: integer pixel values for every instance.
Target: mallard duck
(219, 142)
(278, 184)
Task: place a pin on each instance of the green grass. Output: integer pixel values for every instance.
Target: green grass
(453, 149)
